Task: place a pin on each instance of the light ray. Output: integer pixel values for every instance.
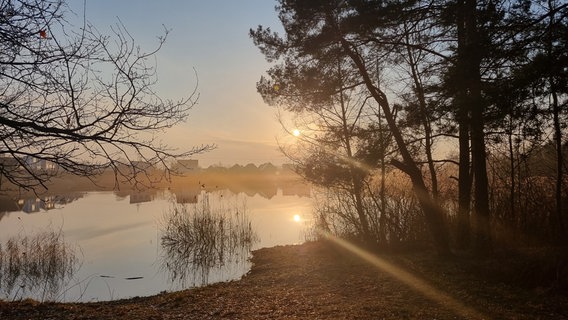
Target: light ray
(410, 280)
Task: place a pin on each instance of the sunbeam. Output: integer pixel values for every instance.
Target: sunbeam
(410, 280)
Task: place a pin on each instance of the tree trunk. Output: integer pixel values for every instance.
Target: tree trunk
(423, 117)
(481, 191)
(471, 60)
(559, 232)
(463, 111)
(557, 221)
(382, 192)
(512, 175)
(356, 179)
(464, 184)
(433, 213)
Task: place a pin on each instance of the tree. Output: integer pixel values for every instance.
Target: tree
(469, 57)
(505, 56)
(316, 34)
(333, 150)
(488, 68)
(78, 99)
(552, 60)
(542, 82)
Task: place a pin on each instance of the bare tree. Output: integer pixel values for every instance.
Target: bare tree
(77, 99)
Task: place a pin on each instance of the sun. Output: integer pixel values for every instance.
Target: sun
(297, 218)
(296, 132)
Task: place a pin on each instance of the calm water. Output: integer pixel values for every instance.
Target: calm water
(117, 239)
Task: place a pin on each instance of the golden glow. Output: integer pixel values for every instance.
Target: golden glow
(297, 218)
(296, 132)
(410, 280)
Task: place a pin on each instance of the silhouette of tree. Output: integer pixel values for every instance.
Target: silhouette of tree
(78, 100)
(547, 75)
(319, 35)
(479, 71)
(500, 47)
(534, 95)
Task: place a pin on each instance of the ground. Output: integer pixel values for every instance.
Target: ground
(323, 280)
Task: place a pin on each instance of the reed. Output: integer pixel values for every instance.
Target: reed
(197, 238)
(38, 266)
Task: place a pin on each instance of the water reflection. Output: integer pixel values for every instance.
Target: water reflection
(119, 234)
(186, 191)
(34, 204)
(39, 266)
(204, 237)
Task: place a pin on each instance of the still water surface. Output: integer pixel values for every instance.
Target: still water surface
(117, 239)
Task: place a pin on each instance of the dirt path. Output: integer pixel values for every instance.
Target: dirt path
(321, 281)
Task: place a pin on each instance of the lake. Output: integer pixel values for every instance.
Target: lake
(115, 240)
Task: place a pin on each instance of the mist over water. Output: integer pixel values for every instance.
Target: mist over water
(119, 244)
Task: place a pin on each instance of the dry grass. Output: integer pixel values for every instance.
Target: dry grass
(41, 266)
(322, 281)
(196, 238)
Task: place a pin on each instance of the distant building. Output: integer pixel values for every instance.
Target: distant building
(187, 165)
(39, 165)
(33, 205)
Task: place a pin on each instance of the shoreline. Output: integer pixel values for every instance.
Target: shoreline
(318, 280)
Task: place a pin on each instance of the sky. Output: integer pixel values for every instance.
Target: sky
(212, 38)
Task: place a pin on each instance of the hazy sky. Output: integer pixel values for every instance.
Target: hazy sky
(212, 37)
